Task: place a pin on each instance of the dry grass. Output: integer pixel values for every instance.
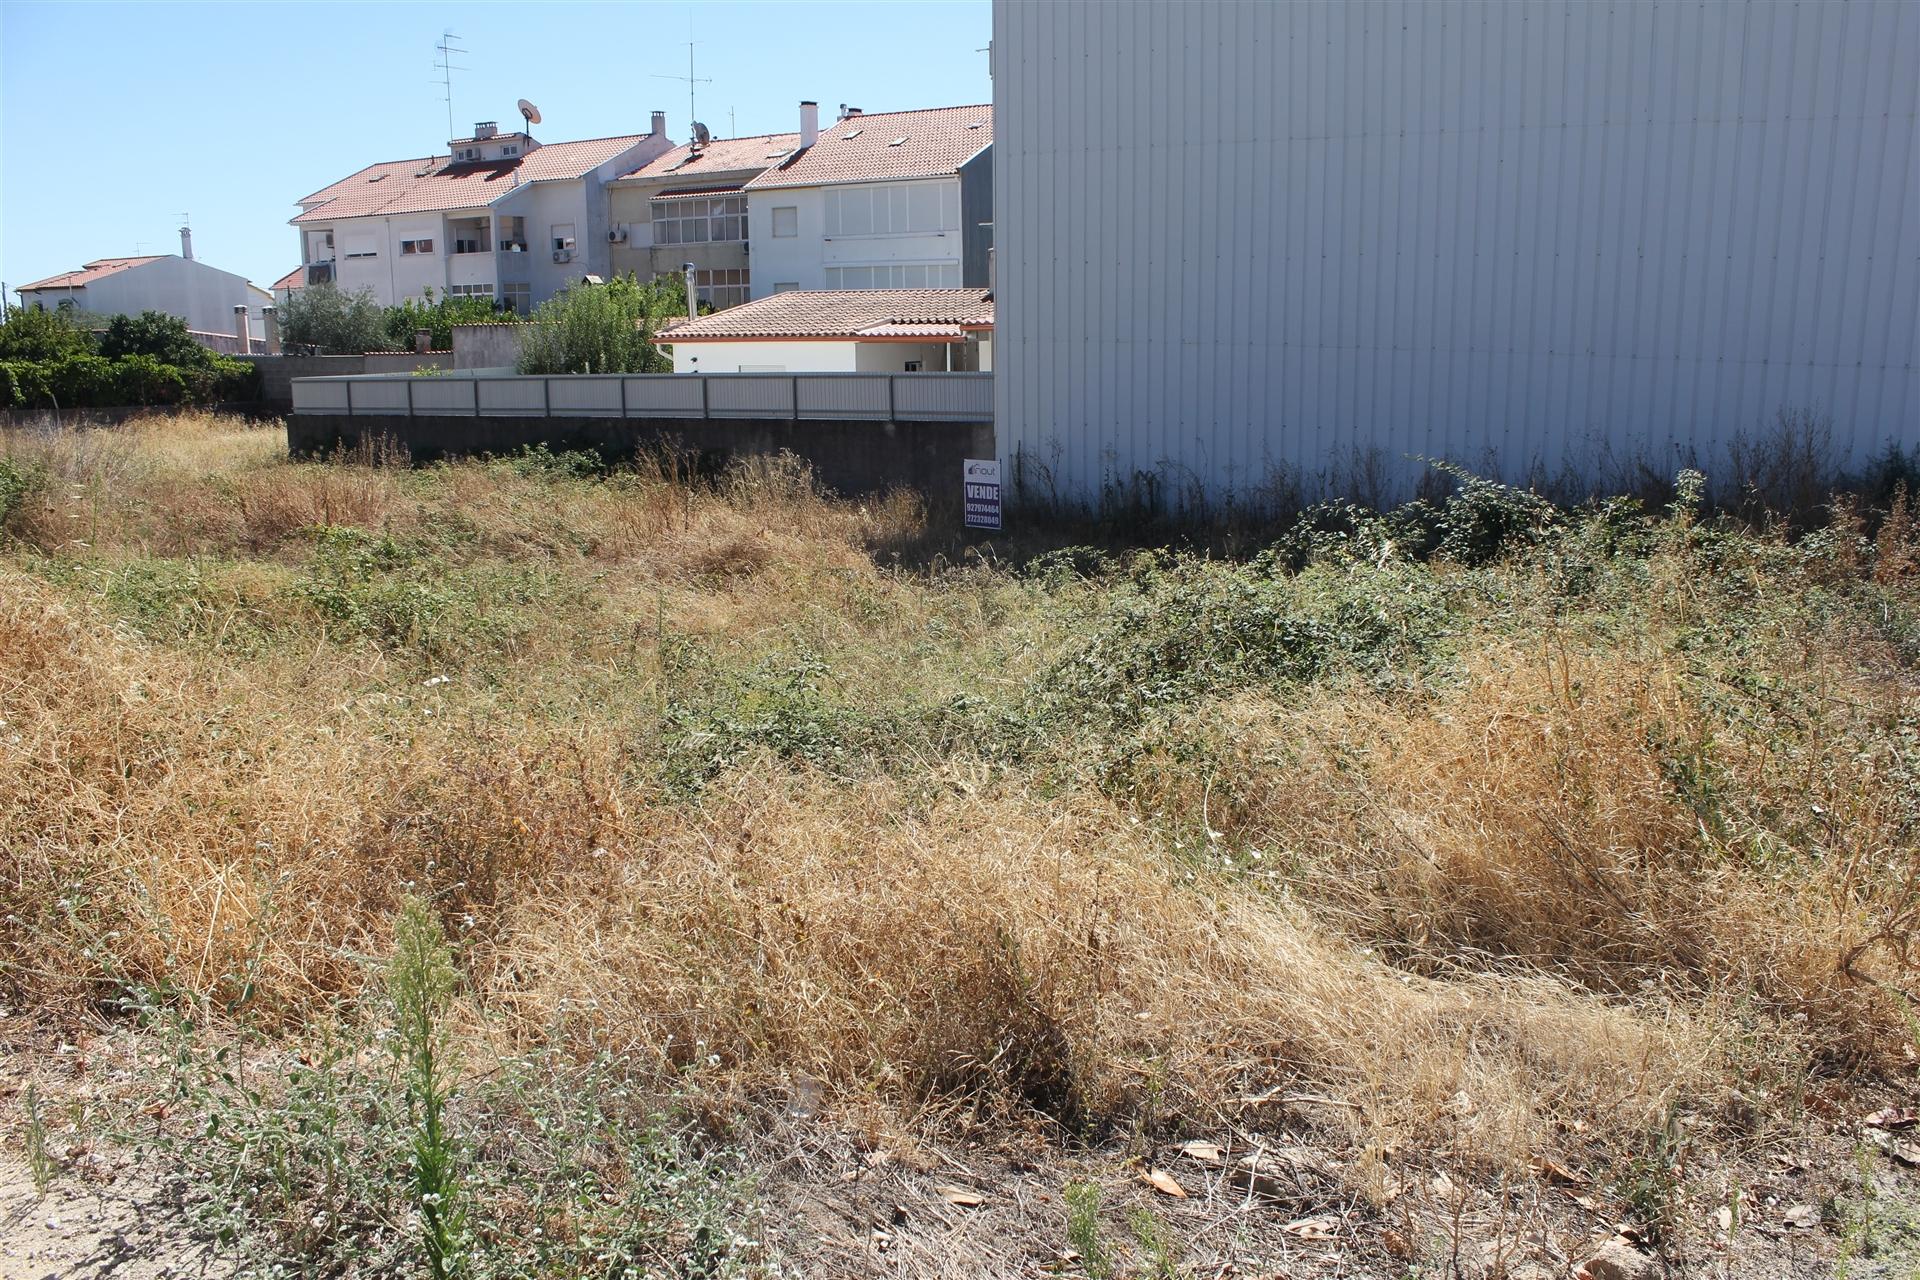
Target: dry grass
(1493, 917)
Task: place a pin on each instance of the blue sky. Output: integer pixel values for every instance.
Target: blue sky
(117, 118)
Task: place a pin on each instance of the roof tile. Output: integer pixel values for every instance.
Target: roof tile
(682, 162)
(844, 313)
(867, 148)
(98, 269)
(434, 183)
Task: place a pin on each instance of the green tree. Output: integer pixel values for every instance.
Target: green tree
(32, 334)
(153, 333)
(437, 317)
(603, 328)
(340, 324)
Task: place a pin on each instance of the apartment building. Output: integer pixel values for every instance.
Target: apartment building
(689, 205)
(501, 216)
(888, 200)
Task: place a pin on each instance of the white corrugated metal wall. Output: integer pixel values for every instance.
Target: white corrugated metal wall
(1237, 237)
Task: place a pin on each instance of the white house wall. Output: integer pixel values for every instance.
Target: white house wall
(825, 243)
(1234, 238)
(782, 357)
(202, 295)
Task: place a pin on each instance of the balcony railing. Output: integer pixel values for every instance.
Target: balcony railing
(877, 397)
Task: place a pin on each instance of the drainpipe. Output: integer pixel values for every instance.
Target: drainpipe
(693, 306)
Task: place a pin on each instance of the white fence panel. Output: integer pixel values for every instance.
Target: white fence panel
(319, 395)
(664, 395)
(839, 395)
(965, 397)
(378, 395)
(440, 397)
(751, 395)
(519, 397)
(584, 396)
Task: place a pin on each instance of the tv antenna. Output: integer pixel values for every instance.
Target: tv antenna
(690, 78)
(449, 49)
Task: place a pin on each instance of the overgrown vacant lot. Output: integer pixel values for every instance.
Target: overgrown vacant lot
(818, 904)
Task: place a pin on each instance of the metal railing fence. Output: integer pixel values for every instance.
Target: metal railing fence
(880, 397)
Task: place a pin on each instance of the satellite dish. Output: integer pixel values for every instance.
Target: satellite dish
(701, 135)
(531, 112)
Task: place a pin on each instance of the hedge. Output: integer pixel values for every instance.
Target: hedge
(96, 382)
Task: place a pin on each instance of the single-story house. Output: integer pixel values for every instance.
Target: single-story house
(840, 331)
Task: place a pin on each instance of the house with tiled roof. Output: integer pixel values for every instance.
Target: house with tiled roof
(499, 215)
(840, 331)
(177, 284)
(876, 200)
(689, 205)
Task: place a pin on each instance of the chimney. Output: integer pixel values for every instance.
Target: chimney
(809, 123)
(484, 129)
(659, 124)
(241, 329)
(186, 243)
(270, 322)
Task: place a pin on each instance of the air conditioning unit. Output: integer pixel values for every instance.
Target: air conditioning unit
(617, 236)
(563, 255)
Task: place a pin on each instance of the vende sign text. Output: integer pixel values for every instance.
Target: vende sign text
(981, 487)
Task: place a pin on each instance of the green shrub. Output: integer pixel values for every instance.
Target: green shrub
(19, 482)
(156, 336)
(604, 328)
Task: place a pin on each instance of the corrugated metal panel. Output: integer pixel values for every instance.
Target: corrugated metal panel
(584, 396)
(1244, 242)
(840, 396)
(962, 397)
(663, 394)
(441, 397)
(379, 395)
(749, 395)
(319, 395)
(518, 397)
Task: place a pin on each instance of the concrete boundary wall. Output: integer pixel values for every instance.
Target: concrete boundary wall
(849, 457)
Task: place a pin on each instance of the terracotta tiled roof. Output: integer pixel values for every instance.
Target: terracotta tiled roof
(721, 154)
(684, 193)
(844, 313)
(294, 279)
(435, 183)
(98, 269)
(868, 148)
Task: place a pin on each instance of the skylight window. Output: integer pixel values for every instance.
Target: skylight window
(849, 137)
(976, 124)
(378, 177)
(896, 142)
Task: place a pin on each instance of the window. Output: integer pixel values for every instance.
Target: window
(912, 366)
(461, 245)
(896, 275)
(518, 297)
(510, 151)
(915, 208)
(699, 219)
(785, 286)
(562, 235)
(362, 246)
(786, 221)
(471, 290)
(721, 288)
(416, 246)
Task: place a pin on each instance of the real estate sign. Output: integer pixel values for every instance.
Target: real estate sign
(981, 486)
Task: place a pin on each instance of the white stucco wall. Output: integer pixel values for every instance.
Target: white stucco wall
(781, 357)
(803, 259)
(202, 295)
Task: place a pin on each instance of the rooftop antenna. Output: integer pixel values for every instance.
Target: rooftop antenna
(532, 114)
(448, 49)
(690, 78)
(733, 130)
